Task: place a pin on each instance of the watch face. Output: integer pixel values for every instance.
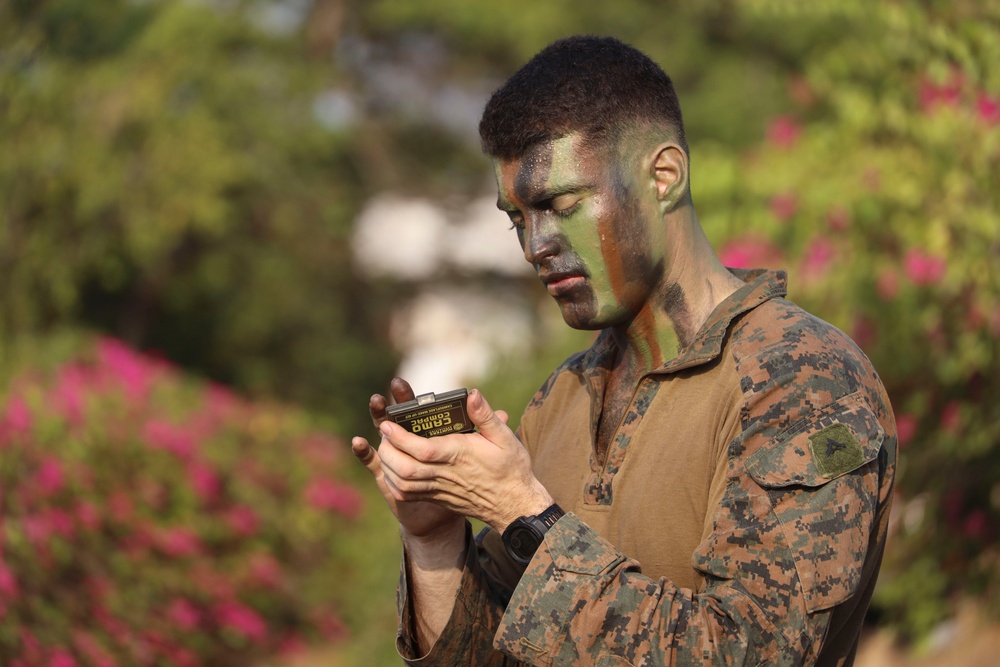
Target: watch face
(521, 541)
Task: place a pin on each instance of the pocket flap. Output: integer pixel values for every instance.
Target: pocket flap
(829, 442)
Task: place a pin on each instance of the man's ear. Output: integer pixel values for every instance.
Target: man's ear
(669, 171)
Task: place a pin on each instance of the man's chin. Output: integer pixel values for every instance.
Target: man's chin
(580, 318)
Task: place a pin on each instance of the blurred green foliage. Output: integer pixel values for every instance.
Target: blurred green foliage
(165, 177)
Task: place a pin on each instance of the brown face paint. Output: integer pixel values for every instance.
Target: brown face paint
(676, 307)
(604, 255)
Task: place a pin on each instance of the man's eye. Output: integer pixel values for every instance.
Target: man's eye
(565, 205)
(516, 221)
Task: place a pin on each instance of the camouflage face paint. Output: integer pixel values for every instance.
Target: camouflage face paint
(581, 223)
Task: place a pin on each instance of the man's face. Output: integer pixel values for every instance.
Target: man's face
(581, 220)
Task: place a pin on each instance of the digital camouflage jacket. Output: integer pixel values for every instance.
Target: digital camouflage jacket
(738, 517)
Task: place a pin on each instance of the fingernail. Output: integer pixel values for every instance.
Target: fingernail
(475, 399)
(384, 428)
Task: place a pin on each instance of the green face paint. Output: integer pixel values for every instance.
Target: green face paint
(580, 221)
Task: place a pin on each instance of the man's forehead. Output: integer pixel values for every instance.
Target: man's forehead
(542, 165)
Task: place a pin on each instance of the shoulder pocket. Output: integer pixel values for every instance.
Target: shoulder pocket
(830, 442)
(821, 476)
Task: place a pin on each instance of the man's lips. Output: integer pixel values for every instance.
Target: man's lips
(560, 283)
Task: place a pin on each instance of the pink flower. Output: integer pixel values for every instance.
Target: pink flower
(31, 648)
(179, 542)
(69, 392)
(783, 131)
(818, 257)
(205, 481)
(906, 428)
(325, 494)
(49, 479)
(838, 219)
(241, 619)
(784, 206)
(749, 252)
(8, 583)
(120, 507)
(243, 520)
(61, 658)
(871, 178)
(321, 449)
(951, 417)
(923, 268)
(181, 657)
(61, 522)
(37, 528)
(132, 370)
(87, 515)
(265, 570)
(220, 401)
(330, 625)
(864, 333)
(163, 435)
(988, 108)
(933, 95)
(183, 614)
(977, 525)
(210, 581)
(17, 417)
(887, 284)
(291, 645)
(90, 649)
(974, 318)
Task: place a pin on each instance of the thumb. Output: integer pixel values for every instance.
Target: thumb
(366, 454)
(489, 423)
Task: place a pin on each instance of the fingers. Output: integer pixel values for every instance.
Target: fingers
(376, 408)
(490, 424)
(365, 453)
(401, 390)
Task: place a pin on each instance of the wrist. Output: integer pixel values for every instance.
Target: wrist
(532, 505)
(442, 547)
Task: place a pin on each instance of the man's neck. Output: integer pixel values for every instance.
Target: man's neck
(695, 284)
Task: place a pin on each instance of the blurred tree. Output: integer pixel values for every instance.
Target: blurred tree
(165, 178)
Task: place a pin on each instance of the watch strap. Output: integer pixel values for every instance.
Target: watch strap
(548, 517)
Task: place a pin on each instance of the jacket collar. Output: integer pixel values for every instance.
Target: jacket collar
(761, 285)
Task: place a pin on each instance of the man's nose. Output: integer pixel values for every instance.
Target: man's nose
(541, 240)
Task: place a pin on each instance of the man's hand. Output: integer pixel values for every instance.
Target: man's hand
(486, 475)
(421, 521)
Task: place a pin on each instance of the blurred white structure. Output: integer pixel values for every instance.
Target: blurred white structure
(471, 307)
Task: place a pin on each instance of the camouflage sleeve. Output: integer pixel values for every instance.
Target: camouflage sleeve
(479, 604)
(788, 544)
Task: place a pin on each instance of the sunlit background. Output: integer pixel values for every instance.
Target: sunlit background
(224, 224)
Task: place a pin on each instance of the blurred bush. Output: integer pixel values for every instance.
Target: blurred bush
(148, 519)
(164, 177)
(877, 189)
(176, 174)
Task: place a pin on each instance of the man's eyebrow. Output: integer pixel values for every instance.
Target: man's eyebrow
(544, 195)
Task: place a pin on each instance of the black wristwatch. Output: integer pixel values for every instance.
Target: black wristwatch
(524, 535)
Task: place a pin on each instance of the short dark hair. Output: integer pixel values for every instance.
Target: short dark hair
(588, 84)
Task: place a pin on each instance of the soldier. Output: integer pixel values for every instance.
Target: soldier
(709, 483)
